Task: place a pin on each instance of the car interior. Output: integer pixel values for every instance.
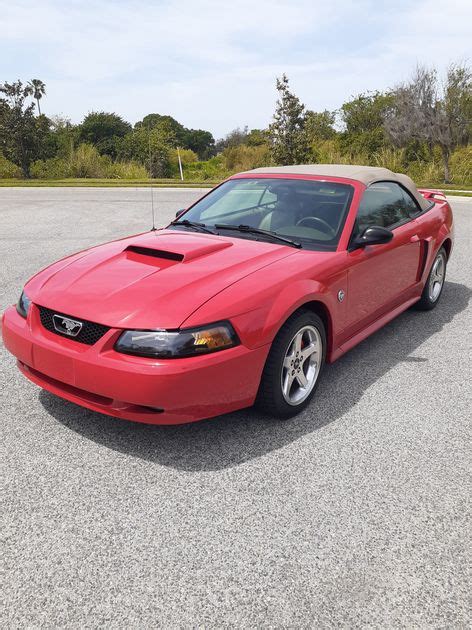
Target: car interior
(304, 209)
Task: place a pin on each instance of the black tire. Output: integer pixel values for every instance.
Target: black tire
(429, 298)
(270, 397)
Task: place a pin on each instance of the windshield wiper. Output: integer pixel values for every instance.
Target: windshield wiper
(200, 227)
(253, 230)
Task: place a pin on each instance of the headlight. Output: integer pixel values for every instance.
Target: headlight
(23, 304)
(188, 342)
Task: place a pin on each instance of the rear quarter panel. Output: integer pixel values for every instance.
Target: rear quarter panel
(435, 228)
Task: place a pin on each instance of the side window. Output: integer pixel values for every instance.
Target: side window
(383, 204)
(410, 204)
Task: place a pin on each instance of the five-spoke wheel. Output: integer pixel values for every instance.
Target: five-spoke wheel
(301, 365)
(293, 366)
(436, 278)
(435, 282)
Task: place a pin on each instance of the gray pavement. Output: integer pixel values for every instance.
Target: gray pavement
(354, 514)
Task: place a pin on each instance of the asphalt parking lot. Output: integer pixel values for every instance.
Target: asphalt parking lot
(355, 513)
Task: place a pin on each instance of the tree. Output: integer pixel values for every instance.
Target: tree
(197, 140)
(104, 130)
(234, 138)
(200, 141)
(38, 90)
(171, 127)
(65, 135)
(149, 147)
(455, 129)
(257, 137)
(363, 118)
(320, 125)
(439, 115)
(242, 137)
(287, 135)
(23, 137)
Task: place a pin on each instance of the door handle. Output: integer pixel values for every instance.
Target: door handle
(415, 238)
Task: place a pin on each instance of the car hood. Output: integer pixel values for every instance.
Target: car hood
(153, 280)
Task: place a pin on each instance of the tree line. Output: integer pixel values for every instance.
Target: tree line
(420, 116)
(423, 127)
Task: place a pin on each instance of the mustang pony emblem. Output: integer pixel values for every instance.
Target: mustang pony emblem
(67, 326)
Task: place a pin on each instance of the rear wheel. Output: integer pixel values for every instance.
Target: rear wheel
(293, 366)
(435, 282)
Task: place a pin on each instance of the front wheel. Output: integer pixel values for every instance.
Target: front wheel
(293, 366)
(435, 282)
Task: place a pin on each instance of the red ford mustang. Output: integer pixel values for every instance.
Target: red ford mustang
(240, 300)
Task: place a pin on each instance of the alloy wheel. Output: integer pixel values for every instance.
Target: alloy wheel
(436, 278)
(301, 365)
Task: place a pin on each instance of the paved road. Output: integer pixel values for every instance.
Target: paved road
(354, 514)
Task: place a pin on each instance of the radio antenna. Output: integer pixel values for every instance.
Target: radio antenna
(153, 229)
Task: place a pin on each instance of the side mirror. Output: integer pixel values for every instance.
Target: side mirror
(374, 235)
(179, 212)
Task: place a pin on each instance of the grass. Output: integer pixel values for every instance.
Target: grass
(454, 193)
(467, 187)
(107, 183)
(451, 190)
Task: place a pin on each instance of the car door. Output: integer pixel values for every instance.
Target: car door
(381, 277)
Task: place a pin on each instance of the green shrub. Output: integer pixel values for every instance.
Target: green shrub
(8, 170)
(461, 166)
(212, 169)
(393, 159)
(86, 161)
(245, 158)
(54, 168)
(187, 156)
(425, 173)
(329, 152)
(126, 170)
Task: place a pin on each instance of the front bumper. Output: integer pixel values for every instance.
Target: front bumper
(172, 391)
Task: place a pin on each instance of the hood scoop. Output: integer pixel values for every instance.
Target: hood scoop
(155, 253)
(189, 250)
(151, 280)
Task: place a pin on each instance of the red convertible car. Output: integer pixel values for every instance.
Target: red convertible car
(240, 300)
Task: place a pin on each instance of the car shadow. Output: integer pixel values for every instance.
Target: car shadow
(235, 438)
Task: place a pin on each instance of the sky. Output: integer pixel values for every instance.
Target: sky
(213, 64)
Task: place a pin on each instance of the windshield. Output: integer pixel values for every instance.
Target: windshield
(308, 211)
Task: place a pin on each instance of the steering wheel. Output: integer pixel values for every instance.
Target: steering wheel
(327, 229)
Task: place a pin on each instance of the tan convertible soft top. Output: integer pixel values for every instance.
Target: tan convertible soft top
(365, 174)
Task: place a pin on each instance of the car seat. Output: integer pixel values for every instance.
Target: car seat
(285, 211)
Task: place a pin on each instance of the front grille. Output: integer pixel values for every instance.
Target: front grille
(89, 334)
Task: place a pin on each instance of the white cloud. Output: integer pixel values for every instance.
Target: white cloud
(213, 64)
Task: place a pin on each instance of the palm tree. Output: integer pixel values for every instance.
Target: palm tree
(39, 89)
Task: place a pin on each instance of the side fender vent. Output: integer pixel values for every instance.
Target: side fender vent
(423, 259)
(155, 253)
